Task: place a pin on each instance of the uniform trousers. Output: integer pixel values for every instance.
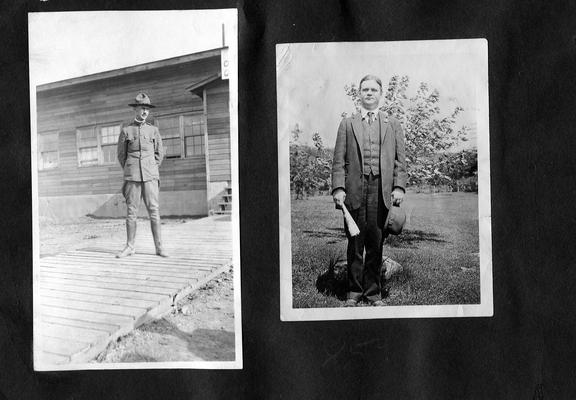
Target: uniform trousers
(364, 271)
(134, 191)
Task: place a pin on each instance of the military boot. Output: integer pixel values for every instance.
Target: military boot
(131, 235)
(155, 225)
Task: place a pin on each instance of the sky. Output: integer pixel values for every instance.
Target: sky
(311, 78)
(65, 45)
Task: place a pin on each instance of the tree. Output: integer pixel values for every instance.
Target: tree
(310, 167)
(427, 132)
(462, 169)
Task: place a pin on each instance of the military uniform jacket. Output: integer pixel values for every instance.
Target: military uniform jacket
(140, 151)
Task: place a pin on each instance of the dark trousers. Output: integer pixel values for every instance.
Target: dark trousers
(364, 272)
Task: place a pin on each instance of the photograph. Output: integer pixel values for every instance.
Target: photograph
(134, 155)
(384, 179)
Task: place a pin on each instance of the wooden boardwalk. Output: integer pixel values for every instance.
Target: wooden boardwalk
(86, 298)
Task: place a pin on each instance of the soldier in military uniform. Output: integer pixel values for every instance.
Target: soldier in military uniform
(140, 154)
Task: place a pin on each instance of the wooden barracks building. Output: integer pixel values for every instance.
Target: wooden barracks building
(79, 121)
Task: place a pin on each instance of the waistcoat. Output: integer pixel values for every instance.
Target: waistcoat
(371, 147)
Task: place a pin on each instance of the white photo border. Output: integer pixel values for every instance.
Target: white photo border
(479, 47)
(230, 15)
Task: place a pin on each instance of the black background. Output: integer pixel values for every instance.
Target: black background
(525, 351)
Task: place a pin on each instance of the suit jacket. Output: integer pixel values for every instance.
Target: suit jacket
(140, 152)
(347, 165)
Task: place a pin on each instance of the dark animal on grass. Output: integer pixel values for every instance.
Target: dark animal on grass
(333, 282)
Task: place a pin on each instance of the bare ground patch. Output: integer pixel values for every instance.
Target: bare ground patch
(200, 328)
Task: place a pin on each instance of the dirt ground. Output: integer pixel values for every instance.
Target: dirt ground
(199, 328)
(61, 237)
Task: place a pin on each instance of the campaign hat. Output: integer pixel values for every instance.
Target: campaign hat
(142, 100)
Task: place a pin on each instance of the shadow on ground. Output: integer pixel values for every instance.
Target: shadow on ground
(333, 282)
(336, 234)
(409, 239)
(212, 344)
(136, 357)
(204, 344)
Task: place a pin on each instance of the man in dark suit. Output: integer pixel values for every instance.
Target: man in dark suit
(140, 154)
(368, 176)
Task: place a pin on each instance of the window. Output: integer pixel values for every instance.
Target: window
(47, 150)
(193, 135)
(170, 131)
(182, 135)
(97, 144)
(88, 156)
(87, 146)
(108, 142)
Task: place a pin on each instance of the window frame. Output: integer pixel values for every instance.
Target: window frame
(97, 128)
(183, 137)
(101, 145)
(202, 136)
(41, 166)
(180, 131)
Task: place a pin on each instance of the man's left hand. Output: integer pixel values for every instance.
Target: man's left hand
(397, 196)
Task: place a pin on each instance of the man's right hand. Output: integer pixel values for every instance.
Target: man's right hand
(339, 196)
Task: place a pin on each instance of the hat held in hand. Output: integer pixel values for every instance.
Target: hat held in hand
(395, 220)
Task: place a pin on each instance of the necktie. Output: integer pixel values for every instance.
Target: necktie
(370, 117)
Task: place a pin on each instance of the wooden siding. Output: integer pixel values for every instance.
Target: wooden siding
(175, 174)
(106, 101)
(218, 120)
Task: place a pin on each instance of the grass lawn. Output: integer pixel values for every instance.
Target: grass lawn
(438, 250)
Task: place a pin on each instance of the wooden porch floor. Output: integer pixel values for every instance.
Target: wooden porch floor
(86, 298)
